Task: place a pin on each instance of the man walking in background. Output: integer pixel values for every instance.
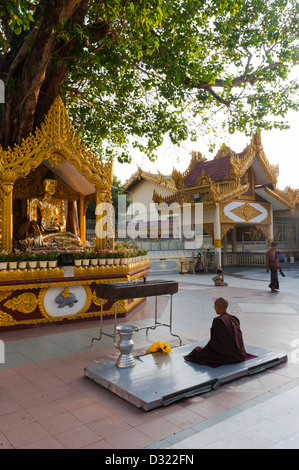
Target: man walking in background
(272, 263)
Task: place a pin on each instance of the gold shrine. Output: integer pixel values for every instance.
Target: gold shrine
(56, 147)
(41, 182)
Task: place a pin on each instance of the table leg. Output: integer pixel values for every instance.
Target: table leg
(170, 321)
(101, 325)
(115, 318)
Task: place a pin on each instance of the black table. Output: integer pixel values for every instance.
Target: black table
(133, 290)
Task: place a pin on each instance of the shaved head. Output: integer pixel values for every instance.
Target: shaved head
(221, 303)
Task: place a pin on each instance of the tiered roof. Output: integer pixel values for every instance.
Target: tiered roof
(228, 176)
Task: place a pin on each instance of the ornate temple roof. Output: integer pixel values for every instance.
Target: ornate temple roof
(162, 180)
(217, 169)
(56, 146)
(229, 175)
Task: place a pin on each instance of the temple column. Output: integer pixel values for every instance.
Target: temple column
(99, 225)
(271, 229)
(82, 218)
(104, 220)
(7, 229)
(217, 236)
(224, 253)
(234, 245)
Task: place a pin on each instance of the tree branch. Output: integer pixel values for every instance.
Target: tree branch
(31, 64)
(241, 80)
(218, 98)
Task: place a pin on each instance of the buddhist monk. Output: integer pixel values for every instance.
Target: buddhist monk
(272, 262)
(226, 344)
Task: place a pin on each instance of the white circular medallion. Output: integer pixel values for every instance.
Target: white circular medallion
(65, 300)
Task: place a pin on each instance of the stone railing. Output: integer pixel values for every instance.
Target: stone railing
(255, 258)
(243, 259)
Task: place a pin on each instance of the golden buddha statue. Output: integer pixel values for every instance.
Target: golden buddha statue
(47, 211)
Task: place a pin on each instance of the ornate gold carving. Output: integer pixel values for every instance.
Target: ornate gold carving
(209, 228)
(178, 178)
(184, 197)
(266, 230)
(204, 180)
(158, 178)
(230, 190)
(31, 186)
(196, 157)
(224, 151)
(277, 232)
(249, 178)
(246, 212)
(287, 199)
(157, 198)
(290, 233)
(114, 273)
(58, 272)
(24, 303)
(56, 159)
(56, 135)
(6, 202)
(5, 294)
(6, 319)
(255, 233)
(54, 141)
(82, 313)
(65, 293)
(225, 228)
(96, 300)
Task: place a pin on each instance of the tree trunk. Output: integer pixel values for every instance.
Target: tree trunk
(33, 81)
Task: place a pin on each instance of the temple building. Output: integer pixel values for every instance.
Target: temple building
(243, 210)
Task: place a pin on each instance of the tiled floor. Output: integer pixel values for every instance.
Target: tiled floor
(46, 402)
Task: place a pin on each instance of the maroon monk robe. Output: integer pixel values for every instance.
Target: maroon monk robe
(225, 346)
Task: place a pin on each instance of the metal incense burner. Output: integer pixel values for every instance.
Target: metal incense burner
(125, 346)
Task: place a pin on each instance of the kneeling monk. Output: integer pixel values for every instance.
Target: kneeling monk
(226, 344)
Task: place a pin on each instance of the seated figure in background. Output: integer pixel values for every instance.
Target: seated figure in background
(219, 278)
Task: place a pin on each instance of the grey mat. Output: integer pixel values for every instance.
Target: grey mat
(160, 379)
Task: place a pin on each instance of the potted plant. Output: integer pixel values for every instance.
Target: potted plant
(52, 258)
(3, 259)
(109, 257)
(32, 259)
(22, 261)
(77, 257)
(102, 258)
(86, 258)
(94, 258)
(42, 259)
(13, 259)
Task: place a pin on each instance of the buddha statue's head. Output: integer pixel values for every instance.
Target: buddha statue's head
(49, 184)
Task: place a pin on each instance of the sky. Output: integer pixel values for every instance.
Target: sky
(280, 147)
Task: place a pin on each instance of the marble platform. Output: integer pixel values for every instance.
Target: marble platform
(160, 379)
